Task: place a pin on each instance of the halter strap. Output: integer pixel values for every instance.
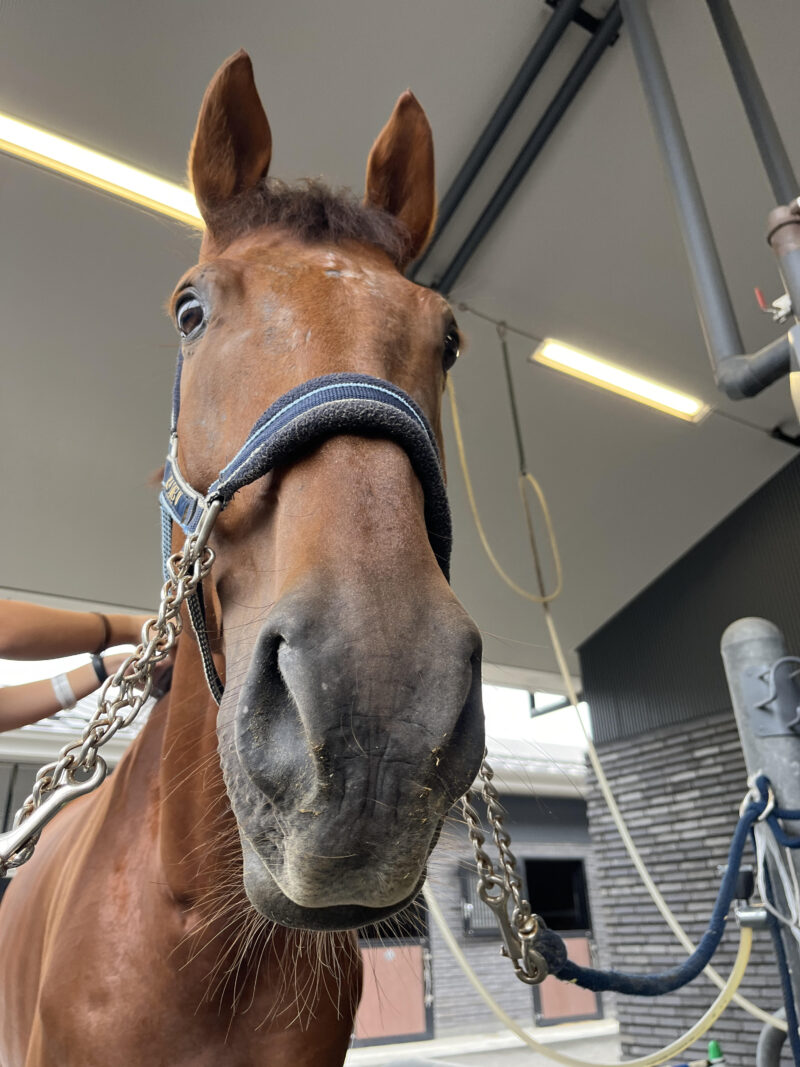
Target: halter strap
(299, 420)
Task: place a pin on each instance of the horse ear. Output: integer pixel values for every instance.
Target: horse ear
(400, 172)
(232, 144)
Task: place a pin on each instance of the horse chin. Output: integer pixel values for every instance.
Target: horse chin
(268, 898)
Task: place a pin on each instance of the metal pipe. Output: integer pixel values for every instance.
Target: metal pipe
(751, 651)
(783, 235)
(532, 147)
(504, 112)
(742, 376)
(736, 374)
(711, 292)
(759, 114)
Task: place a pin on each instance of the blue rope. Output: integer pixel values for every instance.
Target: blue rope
(552, 947)
(774, 817)
(787, 840)
(783, 970)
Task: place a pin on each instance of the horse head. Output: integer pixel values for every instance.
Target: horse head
(351, 719)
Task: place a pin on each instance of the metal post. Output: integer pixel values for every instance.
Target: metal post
(710, 289)
(768, 729)
(759, 114)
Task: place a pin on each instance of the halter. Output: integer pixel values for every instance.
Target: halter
(296, 422)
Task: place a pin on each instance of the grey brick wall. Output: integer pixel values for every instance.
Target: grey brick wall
(541, 828)
(679, 789)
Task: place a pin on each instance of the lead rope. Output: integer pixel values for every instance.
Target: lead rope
(79, 767)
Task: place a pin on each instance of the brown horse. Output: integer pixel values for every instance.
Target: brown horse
(199, 908)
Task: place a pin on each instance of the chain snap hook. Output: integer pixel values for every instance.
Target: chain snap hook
(519, 929)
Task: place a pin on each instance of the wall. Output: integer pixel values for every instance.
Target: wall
(657, 661)
(679, 789)
(661, 716)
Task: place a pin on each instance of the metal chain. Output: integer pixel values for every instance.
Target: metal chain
(520, 928)
(79, 767)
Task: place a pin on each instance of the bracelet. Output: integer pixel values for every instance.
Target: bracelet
(106, 632)
(99, 668)
(63, 691)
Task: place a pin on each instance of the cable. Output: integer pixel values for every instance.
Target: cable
(681, 1043)
(529, 336)
(594, 758)
(542, 598)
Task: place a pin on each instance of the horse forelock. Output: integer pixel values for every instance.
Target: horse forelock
(311, 212)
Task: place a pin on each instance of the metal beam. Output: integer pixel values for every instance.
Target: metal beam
(759, 114)
(736, 374)
(541, 51)
(711, 291)
(566, 94)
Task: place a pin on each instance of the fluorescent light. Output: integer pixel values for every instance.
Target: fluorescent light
(590, 369)
(93, 168)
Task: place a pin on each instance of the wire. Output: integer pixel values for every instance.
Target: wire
(529, 336)
(684, 1041)
(594, 758)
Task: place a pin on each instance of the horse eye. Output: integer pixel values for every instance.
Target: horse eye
(190, 316)
(451, 346)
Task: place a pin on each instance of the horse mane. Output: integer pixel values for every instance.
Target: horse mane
(312, 212)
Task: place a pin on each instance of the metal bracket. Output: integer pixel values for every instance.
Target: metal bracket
(752, 917)
(772, 695)
(587, 22)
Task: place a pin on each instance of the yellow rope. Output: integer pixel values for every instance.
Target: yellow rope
(541, 597)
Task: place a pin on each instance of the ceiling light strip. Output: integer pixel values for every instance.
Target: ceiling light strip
(617, 380)
(35, 145)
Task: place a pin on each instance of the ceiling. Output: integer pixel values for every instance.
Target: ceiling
(588, 250)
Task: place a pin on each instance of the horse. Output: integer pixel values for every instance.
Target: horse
(200, 907)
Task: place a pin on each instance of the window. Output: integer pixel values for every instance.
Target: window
(478, 918)
(557, 892)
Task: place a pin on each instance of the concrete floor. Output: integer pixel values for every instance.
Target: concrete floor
(593, 1042)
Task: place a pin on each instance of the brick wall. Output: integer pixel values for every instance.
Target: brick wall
(679, 789)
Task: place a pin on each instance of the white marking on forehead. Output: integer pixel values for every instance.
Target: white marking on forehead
(334, 266)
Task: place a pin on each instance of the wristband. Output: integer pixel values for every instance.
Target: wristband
(63, 691)
(99, 668)
(106, 632)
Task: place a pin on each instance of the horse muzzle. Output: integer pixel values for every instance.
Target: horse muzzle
(351, 739)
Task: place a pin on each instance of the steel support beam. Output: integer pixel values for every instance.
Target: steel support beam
(585, 64)
(541, 51)
(737, 374)
(759, 114)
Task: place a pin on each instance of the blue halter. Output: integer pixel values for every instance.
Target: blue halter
(296, 422)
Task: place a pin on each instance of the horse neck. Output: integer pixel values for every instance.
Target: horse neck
(199, 842)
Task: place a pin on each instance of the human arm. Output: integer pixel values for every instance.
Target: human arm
(24, 704)
(32, 631)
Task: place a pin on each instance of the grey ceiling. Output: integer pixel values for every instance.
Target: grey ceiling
(588, 251)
